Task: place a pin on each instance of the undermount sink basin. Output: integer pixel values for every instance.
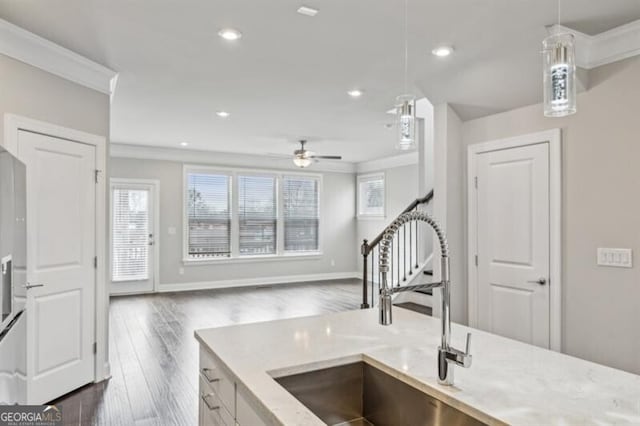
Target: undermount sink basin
(359, 394)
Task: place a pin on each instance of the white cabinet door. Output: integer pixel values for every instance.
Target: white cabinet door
(61, 246)
(513, 243)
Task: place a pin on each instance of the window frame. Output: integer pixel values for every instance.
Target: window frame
(318, 179)
(185, 213)
(362, 178)
(235, 257)
(236, 200)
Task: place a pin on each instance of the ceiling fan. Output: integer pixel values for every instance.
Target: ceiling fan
(303, 158)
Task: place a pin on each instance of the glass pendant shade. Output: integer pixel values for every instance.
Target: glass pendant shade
(301, 161)
(406, 120)
(559, 75)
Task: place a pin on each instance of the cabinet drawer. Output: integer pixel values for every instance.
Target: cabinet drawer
(218, 382)
(211, 410)
(245, 414)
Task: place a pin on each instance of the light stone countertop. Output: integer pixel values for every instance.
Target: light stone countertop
(509, 382)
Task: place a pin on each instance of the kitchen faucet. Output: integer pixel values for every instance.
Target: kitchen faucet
(446, 354)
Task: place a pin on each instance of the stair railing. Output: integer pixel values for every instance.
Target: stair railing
(404, 255)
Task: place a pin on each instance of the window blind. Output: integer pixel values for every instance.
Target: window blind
(371, 196)
(257, 215)
(209, 215)
(301, 213)
(130, 235)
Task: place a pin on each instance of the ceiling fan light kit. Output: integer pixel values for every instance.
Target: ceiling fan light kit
(303, 158)
(301, 161)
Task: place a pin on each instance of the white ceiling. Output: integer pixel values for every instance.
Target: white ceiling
(287, 77)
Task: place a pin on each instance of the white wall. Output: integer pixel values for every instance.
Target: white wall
(601, 208)
(34, 93)
(401, 188)
(338, 232)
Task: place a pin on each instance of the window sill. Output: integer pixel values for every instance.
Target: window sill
(315, 255)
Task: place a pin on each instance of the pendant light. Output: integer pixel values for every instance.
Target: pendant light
(406, 104)
(558, 52)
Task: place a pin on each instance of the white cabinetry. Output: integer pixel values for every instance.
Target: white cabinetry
(221, 404)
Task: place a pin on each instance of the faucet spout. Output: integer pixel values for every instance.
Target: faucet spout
(447, 356)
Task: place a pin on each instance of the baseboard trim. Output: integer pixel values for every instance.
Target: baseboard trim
(254, 282)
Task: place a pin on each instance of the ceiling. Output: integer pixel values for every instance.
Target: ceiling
(288, 76)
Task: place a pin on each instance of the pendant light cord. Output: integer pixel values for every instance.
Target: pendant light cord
(559, 16)
(406, 43)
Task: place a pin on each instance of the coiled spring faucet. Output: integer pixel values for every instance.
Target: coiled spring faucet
(447, 355)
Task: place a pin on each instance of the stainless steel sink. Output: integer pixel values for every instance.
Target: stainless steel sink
(359, 394)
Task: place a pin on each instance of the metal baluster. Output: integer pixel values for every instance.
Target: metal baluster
(373, 293)
(410, 250)
(398, 251)
(391, 256)
(404, 258)
(417, 245)
(379, 272)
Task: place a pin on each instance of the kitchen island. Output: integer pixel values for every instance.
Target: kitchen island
(508, 383)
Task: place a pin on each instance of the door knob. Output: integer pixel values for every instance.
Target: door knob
(541, 281)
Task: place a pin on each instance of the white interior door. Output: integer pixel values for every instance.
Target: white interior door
(61, 248)
(133, 236)
(513, 297)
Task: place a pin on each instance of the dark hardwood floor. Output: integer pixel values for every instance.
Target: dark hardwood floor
(154, 356)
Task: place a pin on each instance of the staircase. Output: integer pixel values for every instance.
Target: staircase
(410, 263)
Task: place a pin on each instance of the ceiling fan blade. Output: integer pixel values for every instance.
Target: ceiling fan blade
(274, 155)
(328, 157)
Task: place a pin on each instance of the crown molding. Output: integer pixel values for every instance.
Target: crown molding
(119, 150)
(24, 46)
(610, 46)
(401, 160)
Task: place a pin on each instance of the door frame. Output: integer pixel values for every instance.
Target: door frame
(155, 184)
(554, 138)
(13, 124)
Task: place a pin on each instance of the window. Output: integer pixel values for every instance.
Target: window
(371, 195)
(130, 234)
(209, 216)
(301, 213)
(257, 215)
(240, 214)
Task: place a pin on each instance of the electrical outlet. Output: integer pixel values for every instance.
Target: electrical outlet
(171, 230)
(616, 257)
(181, 271)
(333, 262)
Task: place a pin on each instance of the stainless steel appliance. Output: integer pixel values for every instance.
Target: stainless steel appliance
(13, 274)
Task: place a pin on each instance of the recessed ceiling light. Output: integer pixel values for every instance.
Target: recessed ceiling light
(308, 11)
(355, 93)
(230, 34)
(222, 114)
(184, 143)
(442, 51)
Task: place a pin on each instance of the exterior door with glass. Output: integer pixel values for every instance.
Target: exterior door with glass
(134, 240)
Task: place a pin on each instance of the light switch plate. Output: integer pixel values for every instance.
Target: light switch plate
(171, 230)
(616, 257)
